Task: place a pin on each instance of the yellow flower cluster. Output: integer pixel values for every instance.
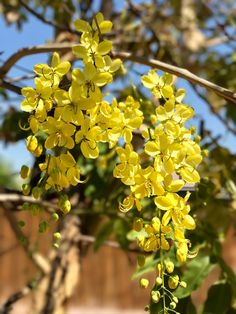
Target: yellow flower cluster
(62, 118)
(67, 119)
(173, 157)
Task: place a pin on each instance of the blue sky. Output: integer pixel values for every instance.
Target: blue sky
(35, 33)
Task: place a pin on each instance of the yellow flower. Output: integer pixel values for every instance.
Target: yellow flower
(160, 87)
(54, 73)
(68, 105)
(129, 164)
(38, 99)
(87, 137)
(147, 183)
(60, 133)
(156, 236)
(90, 79)
(176, 210)
(60, 171)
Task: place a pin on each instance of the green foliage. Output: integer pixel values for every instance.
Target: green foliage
(7, 178)
(104, 232)
(197, 270)
(219, 299)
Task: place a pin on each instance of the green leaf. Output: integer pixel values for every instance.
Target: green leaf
(197, 271)
(103, 234)
(186, 306)
(148, 267)
(229, 274)
(219, 299)
(121, 228)
(156, 308)
(43, 226)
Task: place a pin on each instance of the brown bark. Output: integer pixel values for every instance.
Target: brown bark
(56, 288)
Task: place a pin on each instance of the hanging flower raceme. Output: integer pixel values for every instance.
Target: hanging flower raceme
(68, 121)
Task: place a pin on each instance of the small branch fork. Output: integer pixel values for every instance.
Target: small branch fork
(7, 306)
(45, 20)
(64, 47)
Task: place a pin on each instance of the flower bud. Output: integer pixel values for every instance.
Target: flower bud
(36, 192)
(144, 283)
(205, 153)
(197, 139)
(158, 281)
(24, 172)
(155, 296)
(169, 266)
(183, 284)
(172, 305)
(26, 189)
(57, 236)
(173, 282)
(64, 204)
(141, 260)
(31, 143)
(55, 217)
(138, 224)
(175, 299)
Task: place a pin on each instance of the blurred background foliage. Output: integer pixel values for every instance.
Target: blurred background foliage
(199, 36)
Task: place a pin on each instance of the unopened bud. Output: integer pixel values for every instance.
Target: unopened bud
(172, 305)
(158, 281)
(141, 260)
(173, 282)
(175, 299)
(64, 204)
(36, 192)
(55, 217)
(26, 189)
(144, 283)
(183, 284)
(138, 224)
(197, 139)
(155, 296)
(24, 172)
(205, 153)
(169, 266)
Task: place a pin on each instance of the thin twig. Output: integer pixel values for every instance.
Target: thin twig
(6, 307)
(11, 87)
(45, 20)
(20, 78)
(37, 259)
(220, 118)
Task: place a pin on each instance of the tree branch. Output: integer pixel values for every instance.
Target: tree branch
(18, 198)
(10, 62)
(13, 88)
(6, 307)
(180, 72)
